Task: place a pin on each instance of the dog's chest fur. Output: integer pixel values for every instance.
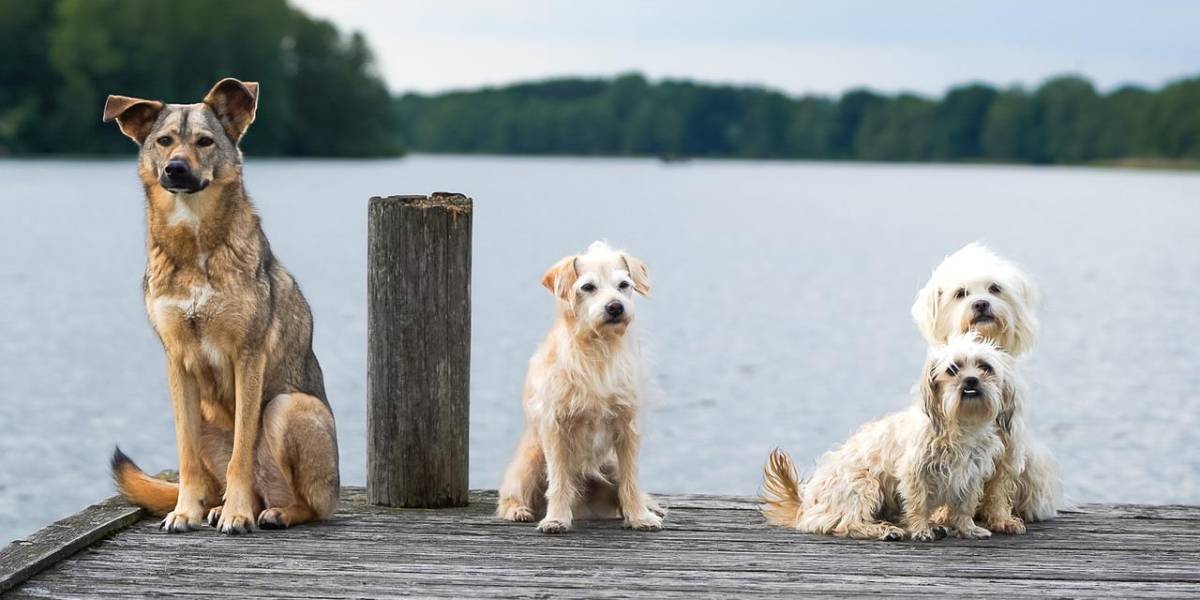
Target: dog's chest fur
(963, 464)
(199, 296)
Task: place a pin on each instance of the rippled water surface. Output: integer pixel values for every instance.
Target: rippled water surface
(780, 313)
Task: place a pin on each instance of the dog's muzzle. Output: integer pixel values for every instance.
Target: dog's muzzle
(970, 388)
(615, 312)
(981, 312)
(178, 176)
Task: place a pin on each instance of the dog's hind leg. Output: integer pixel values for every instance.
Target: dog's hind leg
(298, 462)
(1038, 494)
(523, 492)
(860, 508)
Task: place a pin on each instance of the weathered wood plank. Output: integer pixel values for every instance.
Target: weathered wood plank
(719, 548)
(26, 557)
(419, 338)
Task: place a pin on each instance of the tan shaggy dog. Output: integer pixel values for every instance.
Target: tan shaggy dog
(579, 453)
(254, 431)
(901, 468)
(976, 290)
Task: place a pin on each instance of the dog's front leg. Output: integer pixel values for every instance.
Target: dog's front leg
(237, 514)
(999, 493)
(918, 505)
(638, 513)
(562, 489)
(193, 479)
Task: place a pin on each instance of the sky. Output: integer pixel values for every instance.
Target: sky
(797, 46)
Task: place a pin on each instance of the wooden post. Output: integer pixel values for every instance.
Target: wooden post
(419, 350)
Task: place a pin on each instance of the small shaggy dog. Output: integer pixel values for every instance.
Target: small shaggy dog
(579, 452)
(975, 290)
(904, 466)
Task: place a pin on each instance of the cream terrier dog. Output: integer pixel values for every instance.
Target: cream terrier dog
(975, 290)
(937, 453)
(580, 449)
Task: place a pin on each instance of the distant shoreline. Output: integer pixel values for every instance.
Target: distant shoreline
(1131, 163)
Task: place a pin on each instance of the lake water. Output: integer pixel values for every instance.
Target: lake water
(780, 313)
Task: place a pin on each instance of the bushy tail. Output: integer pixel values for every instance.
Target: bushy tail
(781, 490)
(154, 495)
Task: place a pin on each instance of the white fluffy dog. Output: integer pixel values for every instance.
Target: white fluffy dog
(580, 449)
(976, 290)
(904, 466)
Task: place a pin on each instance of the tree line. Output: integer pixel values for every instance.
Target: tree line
(1064, 120)
(59, 59)
(322, 97)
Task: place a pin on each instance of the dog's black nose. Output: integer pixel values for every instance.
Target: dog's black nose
(614, 309)
(981, 306)
(970, 383)
(177, 167)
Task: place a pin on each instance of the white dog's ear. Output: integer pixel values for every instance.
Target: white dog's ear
(1025, 326)
(560, 278)
(925, 310)
(1012, 398)
(639, 274)
(931, 400)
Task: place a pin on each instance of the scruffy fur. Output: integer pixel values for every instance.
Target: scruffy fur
(886, 481)
(255, 433)
(578, 456)
(976, 290)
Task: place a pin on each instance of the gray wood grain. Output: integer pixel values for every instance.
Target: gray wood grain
(25, 557)
(713, 547)
(419, 350)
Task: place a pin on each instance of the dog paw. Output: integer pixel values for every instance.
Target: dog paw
(553, 526)
(181, 521)
(518, 514)
(923, 535)
(655, 507)
(973, 532)
(892, 534)
(235, 521)
(646, 522)
(214, 516)
(941, 531)
(1009, 526)
(272, 518)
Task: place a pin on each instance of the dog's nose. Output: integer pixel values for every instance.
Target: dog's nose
(971, 383)
(981, 306)
(614, 309)
(177, 167)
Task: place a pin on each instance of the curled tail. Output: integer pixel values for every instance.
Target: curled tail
(154, 495)
(781, 490)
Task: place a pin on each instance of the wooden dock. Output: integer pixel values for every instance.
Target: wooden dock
(714, 546)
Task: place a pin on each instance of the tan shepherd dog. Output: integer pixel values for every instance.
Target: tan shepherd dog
(255, 433)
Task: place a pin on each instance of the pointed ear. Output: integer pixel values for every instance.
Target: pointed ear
(931, 398)
(134, 116)
(235, 103)
(637, 272)
(925, 311)
(561, 277)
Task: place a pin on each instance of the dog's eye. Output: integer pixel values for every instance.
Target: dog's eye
(204, 142)
(587, 288)
(994, 289)
(960, 294)
(986, 368)
(952, 370)
(624, 285)
(164, 140)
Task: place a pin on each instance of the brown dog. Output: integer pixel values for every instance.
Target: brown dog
(255, 433)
